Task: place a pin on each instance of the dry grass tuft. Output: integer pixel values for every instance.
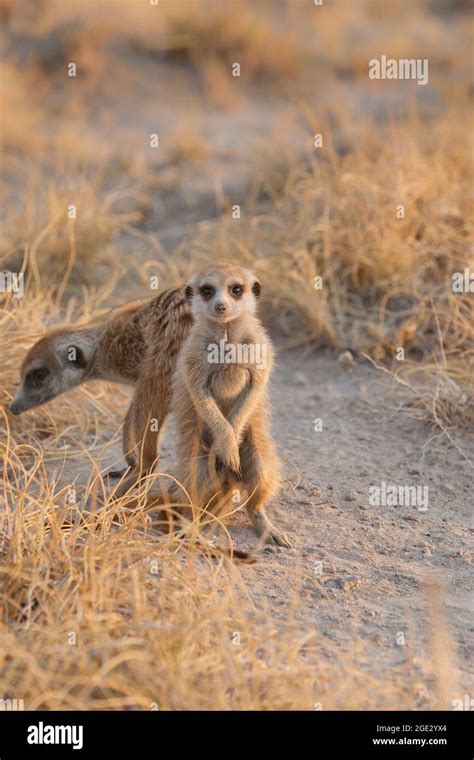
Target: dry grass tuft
(189, 148)
(207, 34)
(62, 233)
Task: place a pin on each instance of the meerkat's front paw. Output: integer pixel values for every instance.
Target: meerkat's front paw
(227, 455)
(220, 467)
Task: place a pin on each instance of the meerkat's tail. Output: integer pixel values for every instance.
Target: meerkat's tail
(235, 554)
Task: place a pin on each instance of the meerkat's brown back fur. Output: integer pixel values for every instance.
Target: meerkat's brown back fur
(135, 344)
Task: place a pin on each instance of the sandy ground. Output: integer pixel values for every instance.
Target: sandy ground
(363, 572)
(376, 562)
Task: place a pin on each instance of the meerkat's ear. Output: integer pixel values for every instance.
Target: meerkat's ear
(189, 292)
(256, 289)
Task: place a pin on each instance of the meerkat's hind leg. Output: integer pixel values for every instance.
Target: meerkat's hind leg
(256, 511)
(132, 477)
(127, 447)
(260, 469)
(149, 408)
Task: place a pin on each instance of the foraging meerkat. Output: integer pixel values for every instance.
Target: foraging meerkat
(220, 399)
(135, 344)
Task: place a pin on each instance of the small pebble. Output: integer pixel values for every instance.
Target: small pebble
(346, 361)
(352, 496)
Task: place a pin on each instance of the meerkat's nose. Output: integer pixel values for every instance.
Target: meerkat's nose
(14, 407)
(220, 308)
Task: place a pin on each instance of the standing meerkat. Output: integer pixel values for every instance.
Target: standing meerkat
(220, 398)
(136, 344)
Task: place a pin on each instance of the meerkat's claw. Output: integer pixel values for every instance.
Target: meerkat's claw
(235, 474)
(280, 539)
(268, 532)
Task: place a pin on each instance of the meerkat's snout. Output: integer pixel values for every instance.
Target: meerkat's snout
(224, 306)
(220, 308)
(15, 407)
(34, 390)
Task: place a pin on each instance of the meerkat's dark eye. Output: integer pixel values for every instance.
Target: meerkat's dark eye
(207, 291)
(36, 377)
(237, 290)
